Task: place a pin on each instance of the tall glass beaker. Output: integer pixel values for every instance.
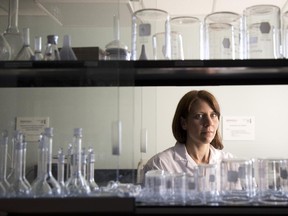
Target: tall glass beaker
(145, 24)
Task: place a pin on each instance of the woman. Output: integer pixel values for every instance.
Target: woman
(196, 129)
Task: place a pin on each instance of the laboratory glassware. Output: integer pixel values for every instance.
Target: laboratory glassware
(51, 52)
(77, 185)
(12, 33)
(18, 187)
(66, 52)
(25, 53)
(38, 55)
(90, 170)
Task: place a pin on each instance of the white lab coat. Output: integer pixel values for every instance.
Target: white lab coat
(176, 159)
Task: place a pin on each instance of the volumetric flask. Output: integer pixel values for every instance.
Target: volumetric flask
(145, 24)
(190, 29)
(262, 27)
(237, 181)
(222, 35)
(273, 181)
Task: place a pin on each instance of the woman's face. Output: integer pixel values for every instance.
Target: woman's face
(201, 124)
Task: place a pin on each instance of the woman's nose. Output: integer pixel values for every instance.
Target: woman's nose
(207, 121)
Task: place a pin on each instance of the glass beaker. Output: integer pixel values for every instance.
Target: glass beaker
(285, 34)
(159, 47)
(190, 29)
(222, 35)
(209, 183)
(237, 181)
(273, 181)
(145, 24)
(38, 56)
(263, 32)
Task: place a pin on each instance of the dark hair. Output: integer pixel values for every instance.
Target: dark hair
(183, 109)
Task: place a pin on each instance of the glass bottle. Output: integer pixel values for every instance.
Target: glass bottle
(26, 53)
(48, 142)
(38, 56)
(66, 52)
(40, 187)
(90, 170)
(5, 49)
(51, 52)
(12, 34)
(77, 184)
(18, 187)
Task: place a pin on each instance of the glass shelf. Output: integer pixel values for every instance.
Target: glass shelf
(143, 73)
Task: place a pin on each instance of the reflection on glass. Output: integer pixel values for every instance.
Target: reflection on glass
(5, 49)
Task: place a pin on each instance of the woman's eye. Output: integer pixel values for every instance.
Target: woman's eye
(199, 116)
(214, 115)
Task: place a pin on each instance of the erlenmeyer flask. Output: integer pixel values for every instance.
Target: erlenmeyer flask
(12, 34)
(66, 52)
(51, 52)
(77, 184)
(5, 49)
(26, 53)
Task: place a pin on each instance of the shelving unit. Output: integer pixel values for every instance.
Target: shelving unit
(137, 73)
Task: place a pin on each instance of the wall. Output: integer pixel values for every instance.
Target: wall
(267, 104)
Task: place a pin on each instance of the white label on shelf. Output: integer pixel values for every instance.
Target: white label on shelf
(238, 127)
(32, 127)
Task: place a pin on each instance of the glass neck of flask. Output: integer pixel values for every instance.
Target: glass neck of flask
(90, 167)
(13, 17)
(61, 166)
(42, 159)
(3, 158)
(19, 162)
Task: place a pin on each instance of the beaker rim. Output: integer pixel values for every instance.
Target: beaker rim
(261, 9)
(223, 16)
(151, 13)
